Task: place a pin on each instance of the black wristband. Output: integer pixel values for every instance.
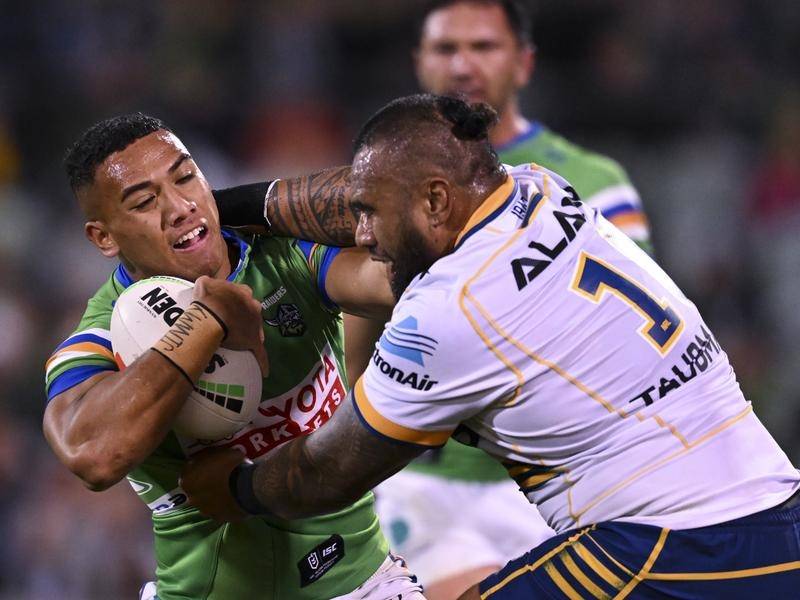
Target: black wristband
(240, 484)
(242, 205)
(174, 364)
(216, 316)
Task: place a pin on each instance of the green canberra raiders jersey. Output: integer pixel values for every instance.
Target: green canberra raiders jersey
(602, 184)
(257, 558)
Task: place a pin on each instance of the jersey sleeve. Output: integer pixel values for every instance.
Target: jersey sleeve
(82, 355)
(427, 375)
(319, 258)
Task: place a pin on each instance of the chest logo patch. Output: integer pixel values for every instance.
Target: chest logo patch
(288, 319)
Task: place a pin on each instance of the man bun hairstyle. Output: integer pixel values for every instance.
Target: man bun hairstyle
(103, 139)
(470, 122)
(517, 15)
(438, 129)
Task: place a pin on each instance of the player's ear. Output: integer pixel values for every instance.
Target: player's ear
(525, 65)
(97, 233)
(440, 201)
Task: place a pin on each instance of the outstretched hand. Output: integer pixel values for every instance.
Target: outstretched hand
(205, 481)
(235, 305)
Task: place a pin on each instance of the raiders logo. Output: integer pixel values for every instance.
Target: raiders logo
(288, 320)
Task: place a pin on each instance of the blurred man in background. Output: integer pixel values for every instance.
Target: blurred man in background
(468, 518)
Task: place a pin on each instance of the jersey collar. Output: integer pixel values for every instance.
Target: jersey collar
(533, 129)
(489, 210)
(122, 275)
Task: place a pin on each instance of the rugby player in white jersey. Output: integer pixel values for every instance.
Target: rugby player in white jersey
(529, 326)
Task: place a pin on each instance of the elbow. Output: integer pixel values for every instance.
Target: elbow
(99, 473)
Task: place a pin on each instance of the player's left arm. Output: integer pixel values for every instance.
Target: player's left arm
(315, 474)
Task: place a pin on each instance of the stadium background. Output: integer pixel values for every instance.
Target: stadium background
(699, 99)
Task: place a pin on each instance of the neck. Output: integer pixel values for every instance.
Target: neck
(510, 124)
(230, 258)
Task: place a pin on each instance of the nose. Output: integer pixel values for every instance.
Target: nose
(365, 237)
(461, 65)
(177, 207)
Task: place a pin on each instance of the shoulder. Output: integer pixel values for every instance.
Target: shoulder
(588, 171)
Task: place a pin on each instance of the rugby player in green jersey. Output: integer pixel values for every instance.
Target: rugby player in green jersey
(149, 206)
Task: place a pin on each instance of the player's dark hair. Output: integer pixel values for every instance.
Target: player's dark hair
(458, 129)
(103, 139)
(517, 15)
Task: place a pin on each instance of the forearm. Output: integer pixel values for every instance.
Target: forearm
(103, 428)
(311, 207)
(120, 421)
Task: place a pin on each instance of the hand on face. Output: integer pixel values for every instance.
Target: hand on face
(234, 304)
(205, 481)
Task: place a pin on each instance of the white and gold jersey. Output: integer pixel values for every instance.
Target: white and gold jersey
(550, 340)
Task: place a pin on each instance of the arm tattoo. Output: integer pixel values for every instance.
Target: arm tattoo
(329, 469)
(314, 207)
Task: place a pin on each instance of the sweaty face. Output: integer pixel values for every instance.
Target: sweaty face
(470, 49)
(153, 208)
(392, 222)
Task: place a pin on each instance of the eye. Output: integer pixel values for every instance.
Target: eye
(185, 179)
(143, 204)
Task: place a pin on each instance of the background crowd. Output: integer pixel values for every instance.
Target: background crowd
(698, 99)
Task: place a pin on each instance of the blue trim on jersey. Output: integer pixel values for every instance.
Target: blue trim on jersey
(619, 209)
(72, 377)
(126, 280)
(534, 202)
(305, 247)
(84, 337)
(244, 248)
(489, 218)
(378, 434)
(330, 253)
(534, 129)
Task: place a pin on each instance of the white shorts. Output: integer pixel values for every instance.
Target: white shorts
(392, 581)
(445, 526)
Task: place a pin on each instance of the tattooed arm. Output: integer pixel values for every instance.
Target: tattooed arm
(315, 474)
(311, 207)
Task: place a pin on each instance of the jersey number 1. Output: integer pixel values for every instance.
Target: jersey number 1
(594, 278)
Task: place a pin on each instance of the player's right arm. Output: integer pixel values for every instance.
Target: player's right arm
(312, 207)
(104, 426)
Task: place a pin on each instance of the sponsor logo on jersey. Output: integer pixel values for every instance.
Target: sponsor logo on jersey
(288, 320)
(413, 379)
(404, 340)
(697, 358)
(320, 560)
(295, 413)
(172, 500)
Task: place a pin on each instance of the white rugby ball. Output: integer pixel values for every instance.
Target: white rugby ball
(226, 397)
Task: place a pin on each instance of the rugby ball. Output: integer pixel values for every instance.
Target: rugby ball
(228, 393)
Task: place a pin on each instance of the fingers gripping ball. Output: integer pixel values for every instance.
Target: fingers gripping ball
(226, 396)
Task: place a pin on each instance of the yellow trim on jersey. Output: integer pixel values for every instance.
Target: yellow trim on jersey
(643, 572)
(629, 219)
(659, 463)
(491, 203)
(391, 429)
(602, 288)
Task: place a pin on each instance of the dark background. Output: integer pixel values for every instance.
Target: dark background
(698, 99)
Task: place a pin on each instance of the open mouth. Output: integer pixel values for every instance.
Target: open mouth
(191, 238)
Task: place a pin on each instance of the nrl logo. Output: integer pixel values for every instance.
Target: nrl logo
(288, 320)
